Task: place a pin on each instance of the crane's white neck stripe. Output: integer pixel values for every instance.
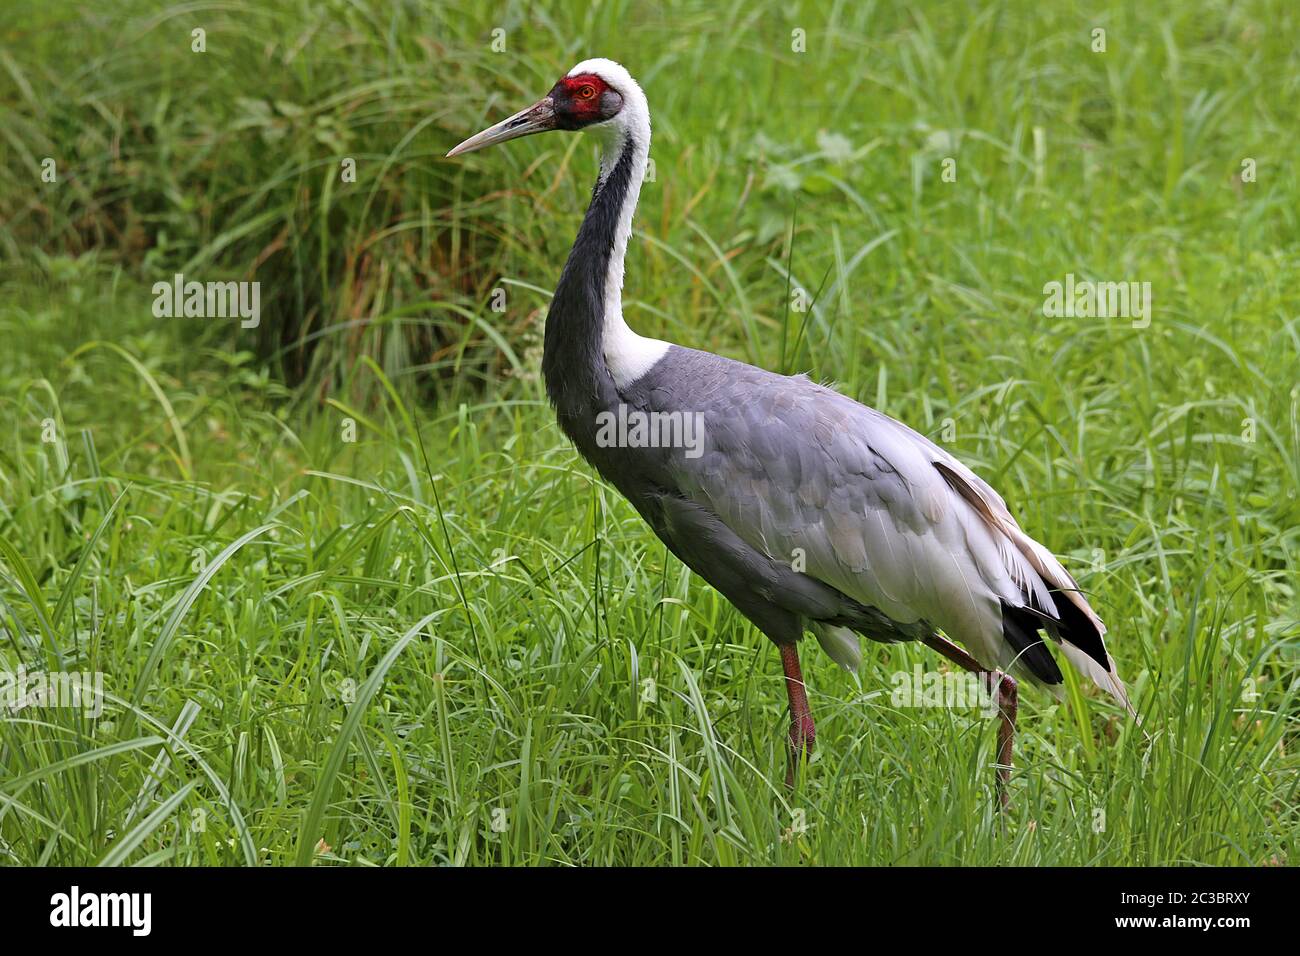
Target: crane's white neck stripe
(627, 355)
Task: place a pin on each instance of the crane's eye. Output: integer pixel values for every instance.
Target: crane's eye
(586, 92)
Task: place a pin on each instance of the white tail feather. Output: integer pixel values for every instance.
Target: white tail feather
(1108, 682)
(840, 644)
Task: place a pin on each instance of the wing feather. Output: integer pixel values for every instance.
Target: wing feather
(877, 511)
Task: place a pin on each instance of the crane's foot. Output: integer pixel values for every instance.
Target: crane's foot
(1004, 688)
(1008, 705)
(803, 735)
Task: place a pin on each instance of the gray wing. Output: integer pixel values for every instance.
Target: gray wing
(860, 502)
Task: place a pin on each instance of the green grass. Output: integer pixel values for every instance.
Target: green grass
(391, 644)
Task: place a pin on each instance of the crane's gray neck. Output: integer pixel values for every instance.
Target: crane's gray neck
(589, 349)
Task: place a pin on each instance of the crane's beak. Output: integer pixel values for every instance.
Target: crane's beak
(538, 118)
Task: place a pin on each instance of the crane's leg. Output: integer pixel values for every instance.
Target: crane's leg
(1004, 685)
(802, 733)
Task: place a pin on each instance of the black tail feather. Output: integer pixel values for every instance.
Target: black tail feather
(1079, 630)
(1020, 628)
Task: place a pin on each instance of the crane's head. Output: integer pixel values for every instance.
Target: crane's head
(597, 95)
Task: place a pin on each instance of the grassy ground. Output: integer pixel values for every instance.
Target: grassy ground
(447, 641)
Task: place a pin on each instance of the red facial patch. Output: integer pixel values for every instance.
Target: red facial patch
(582, 95)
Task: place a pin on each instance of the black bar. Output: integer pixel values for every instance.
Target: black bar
(331, 906)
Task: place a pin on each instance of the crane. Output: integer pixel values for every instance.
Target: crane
(808, 511)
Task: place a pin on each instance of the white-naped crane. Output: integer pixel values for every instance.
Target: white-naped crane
(805, 509)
